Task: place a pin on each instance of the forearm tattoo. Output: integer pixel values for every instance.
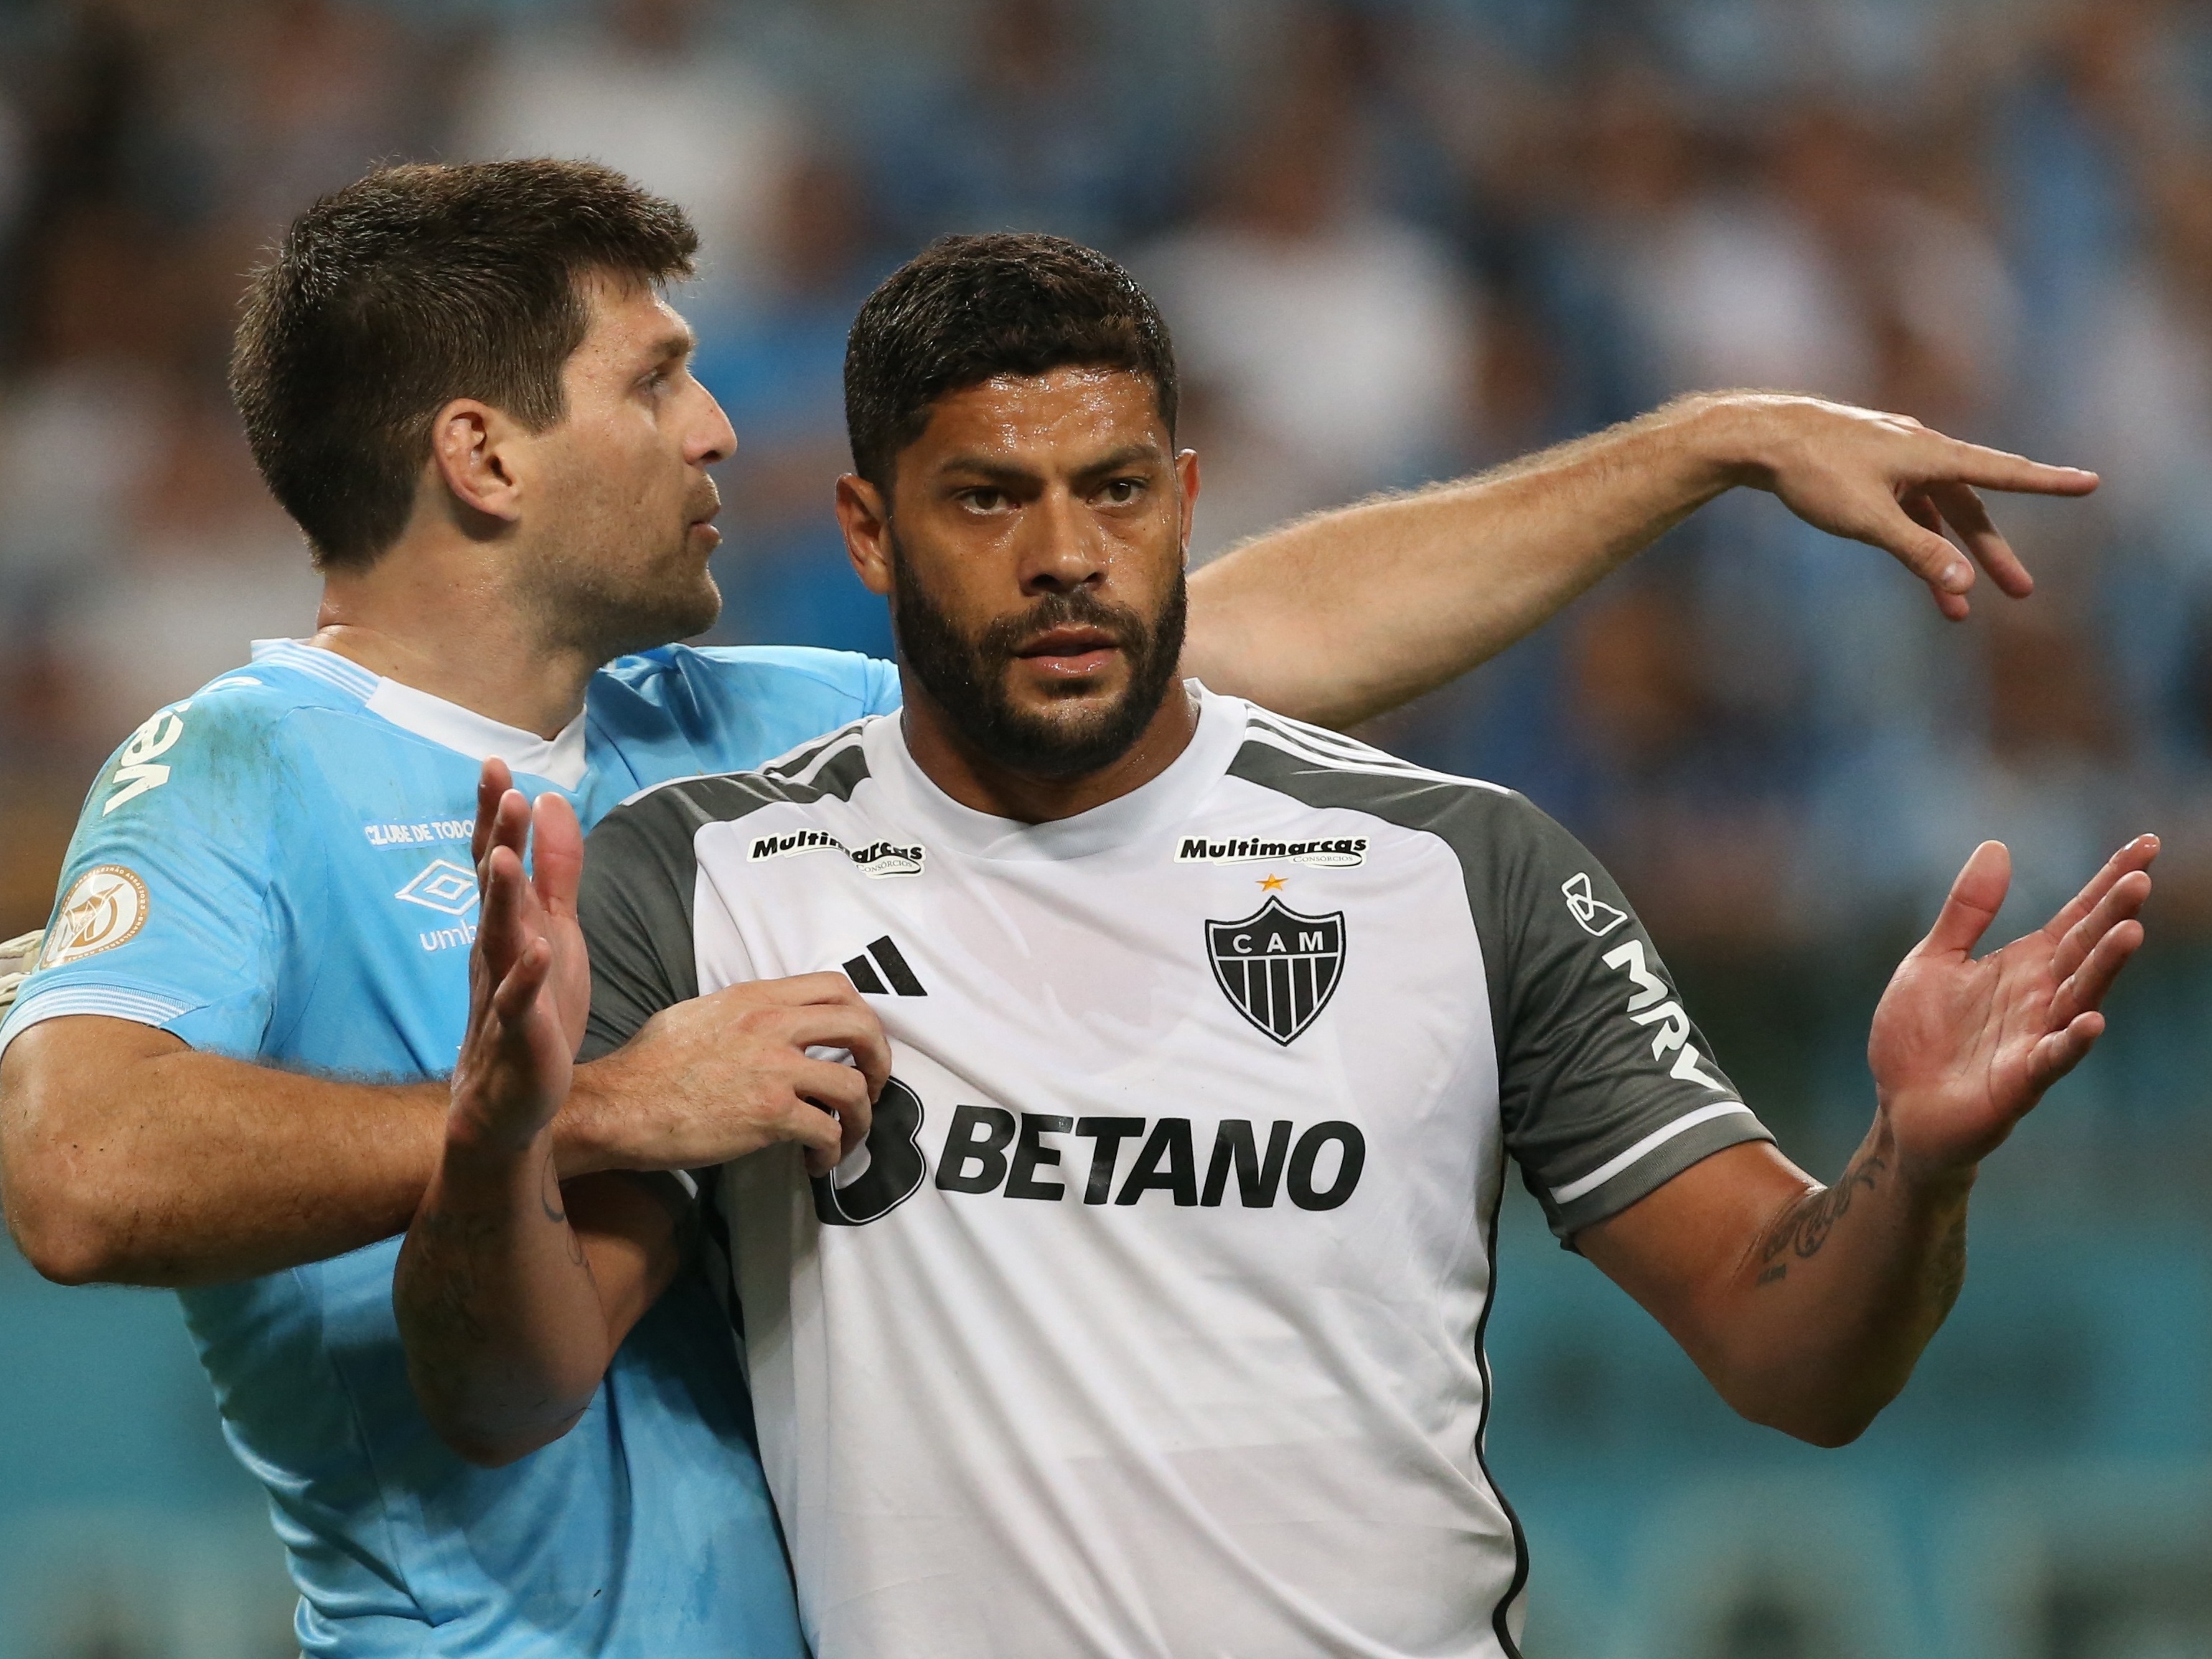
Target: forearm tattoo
(442, 1249)
(1804, 1228)
(557, 1212)
(1951, 1265)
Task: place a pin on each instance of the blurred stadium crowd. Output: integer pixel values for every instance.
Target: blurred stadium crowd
(1398, 240)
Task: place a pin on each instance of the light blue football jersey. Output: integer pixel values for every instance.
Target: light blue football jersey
(278, 868)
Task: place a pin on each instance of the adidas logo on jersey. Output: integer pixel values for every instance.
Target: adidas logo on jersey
(896, 976)
(1339, 853)
(881, 858)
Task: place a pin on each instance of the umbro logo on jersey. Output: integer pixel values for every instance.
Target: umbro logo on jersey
(1339, 853)
(880, 858)
(1597, 917)
(443, 885)
(896, 975)
(1278, 969)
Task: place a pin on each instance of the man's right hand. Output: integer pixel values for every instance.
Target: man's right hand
(727, 1073)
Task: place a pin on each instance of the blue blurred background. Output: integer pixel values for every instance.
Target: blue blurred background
(1397, 240)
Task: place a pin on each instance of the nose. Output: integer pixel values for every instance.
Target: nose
(1063, 550)
(712, 438)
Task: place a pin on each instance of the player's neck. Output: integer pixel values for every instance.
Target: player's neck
(983, 785)
(448, 627)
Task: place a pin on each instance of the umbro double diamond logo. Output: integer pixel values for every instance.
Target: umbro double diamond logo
(894, 975)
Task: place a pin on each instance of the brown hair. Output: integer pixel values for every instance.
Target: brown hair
(410, 288)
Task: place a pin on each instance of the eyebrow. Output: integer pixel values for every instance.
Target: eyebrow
(681, 343)
(1000, 472)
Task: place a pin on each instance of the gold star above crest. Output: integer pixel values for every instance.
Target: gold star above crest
(1272, 885)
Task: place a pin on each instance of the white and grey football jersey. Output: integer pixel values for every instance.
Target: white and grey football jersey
(1149, 1321)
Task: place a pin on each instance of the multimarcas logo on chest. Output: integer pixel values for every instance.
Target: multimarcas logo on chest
(1052, 1157)
(880, 858)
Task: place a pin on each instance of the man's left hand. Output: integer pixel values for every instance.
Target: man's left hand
(1962, 1049)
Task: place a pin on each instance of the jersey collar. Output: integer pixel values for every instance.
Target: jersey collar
(558, 760)
(1167, 799)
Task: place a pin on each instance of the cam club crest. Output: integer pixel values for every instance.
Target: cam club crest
(1277, 967)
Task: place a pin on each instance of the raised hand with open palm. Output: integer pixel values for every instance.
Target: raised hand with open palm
(1963, 1047)
(530, 979)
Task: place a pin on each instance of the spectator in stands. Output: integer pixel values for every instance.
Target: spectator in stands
(778, 369)
(1327, 347)
(648, 87)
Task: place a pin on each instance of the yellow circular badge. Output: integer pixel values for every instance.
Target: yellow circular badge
(105, 907)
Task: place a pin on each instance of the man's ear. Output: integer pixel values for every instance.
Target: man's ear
(473, 455)
(1186, 464)
(865, 518)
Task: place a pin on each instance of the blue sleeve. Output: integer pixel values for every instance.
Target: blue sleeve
(817, 689)
(886, 695)
(168, 910)
(749, 703)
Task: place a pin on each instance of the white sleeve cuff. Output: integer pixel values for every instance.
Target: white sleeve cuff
(141, 1006)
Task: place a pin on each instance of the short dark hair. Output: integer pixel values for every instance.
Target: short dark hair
(968, 308)
(410, 288)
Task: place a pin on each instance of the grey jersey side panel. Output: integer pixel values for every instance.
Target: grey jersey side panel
(1594, 1055)
(641, 880)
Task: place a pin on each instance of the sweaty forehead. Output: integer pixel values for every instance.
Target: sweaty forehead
(1066, 412)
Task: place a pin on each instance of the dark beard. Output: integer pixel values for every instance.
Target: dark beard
(967, 676)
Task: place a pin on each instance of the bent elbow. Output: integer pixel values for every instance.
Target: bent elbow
(486, 1454)
(496, 1450)
(65, 1239)
(1830, 1433)
(1827, 1424)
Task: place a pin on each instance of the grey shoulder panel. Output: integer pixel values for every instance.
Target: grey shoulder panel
(1606, 1089)
(641, 876)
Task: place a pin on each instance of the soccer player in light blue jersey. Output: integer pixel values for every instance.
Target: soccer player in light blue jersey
(226, 1073)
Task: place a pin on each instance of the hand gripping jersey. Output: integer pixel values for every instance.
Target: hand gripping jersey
(1150, 1321)
(278, 869)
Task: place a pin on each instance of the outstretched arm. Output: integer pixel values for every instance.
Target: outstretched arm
(128, 1157)
(1343, 615)
(1808, 1306)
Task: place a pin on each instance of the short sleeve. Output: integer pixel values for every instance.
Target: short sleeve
(635, 906)
(1607, 1087)
(167, 911)
(886, 695)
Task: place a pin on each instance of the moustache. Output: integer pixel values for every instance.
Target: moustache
(1078, 608)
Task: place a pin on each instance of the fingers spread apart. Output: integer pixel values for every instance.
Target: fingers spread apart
(2137, 854)
(1976, 897)
(1963, 510)
(1999, 469)
(2062, 1050)
(492, 785)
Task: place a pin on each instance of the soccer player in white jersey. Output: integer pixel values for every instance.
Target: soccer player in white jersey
(1149, 1321)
